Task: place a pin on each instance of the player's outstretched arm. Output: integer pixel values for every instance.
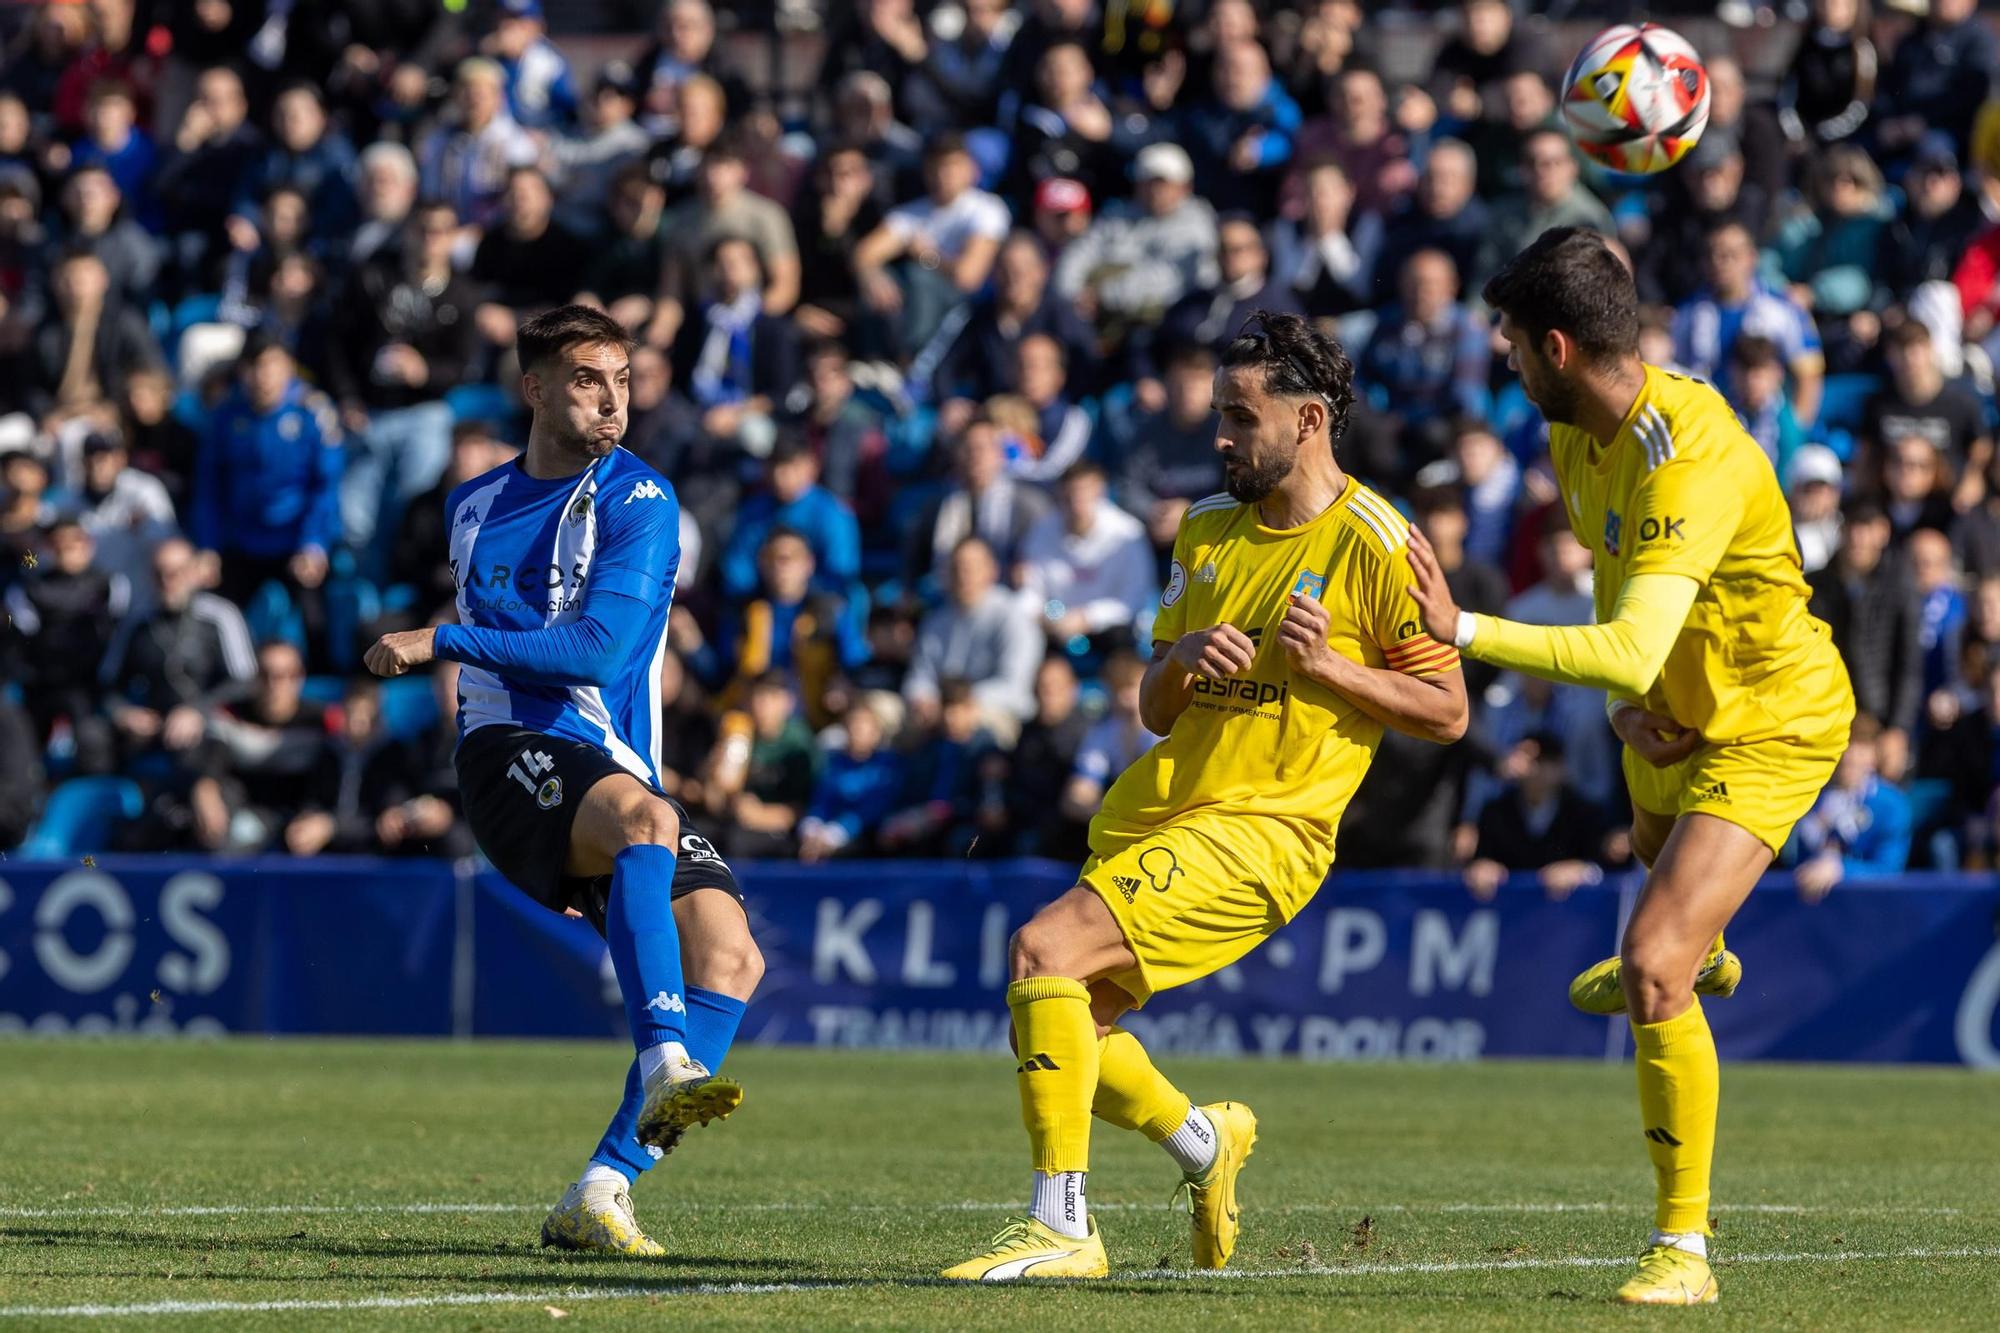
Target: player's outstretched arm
(1217, 653)
(1623, 654)
(586, 651)
(1431, 708)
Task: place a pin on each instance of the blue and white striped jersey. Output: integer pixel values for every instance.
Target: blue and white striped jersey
(523, 553)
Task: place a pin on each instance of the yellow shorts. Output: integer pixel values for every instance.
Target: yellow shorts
(1764, 786)
(1195, 894)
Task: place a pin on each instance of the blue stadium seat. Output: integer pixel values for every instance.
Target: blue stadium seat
(81, 816)
(1843, 398)
(322, 689)
(479, 402)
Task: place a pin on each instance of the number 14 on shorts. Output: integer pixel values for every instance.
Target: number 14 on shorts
(529, 765)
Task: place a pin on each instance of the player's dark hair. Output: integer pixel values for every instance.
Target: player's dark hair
(553, 332)
(1568, 279)
(1298, 361)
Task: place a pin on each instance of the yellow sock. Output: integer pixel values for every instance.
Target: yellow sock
(1131, 1094)
(1679, 1084)
(1058, 1070)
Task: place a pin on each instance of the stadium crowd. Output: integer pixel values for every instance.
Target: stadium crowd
(926, 349)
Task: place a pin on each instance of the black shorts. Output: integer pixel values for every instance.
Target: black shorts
(520, 790)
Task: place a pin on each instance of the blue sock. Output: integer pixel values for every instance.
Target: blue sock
(712, 1018)
(619, 1148)
(645, 945)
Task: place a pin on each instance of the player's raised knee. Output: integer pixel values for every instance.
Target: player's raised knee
(1037, 950)
(651, 823)
(1658, 984)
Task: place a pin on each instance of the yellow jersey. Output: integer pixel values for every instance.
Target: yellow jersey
(1683, 489)
(1268, 741)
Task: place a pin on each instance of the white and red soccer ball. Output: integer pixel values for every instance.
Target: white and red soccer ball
(1636, 98)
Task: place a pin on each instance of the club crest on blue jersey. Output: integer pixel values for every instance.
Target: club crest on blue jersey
(581, 509)
(1309, 584)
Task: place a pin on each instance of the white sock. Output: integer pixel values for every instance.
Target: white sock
(665, 1055)
(1059, 1204)
(597, 1173)
(1192, 1146)
(1691, 1241)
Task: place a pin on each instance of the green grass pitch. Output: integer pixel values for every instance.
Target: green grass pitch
(350, 1184)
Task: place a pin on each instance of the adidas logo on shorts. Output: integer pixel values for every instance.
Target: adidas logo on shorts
(1715, 792)
(1127, 886)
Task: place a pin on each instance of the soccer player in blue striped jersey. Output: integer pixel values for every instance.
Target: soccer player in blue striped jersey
(565, 561)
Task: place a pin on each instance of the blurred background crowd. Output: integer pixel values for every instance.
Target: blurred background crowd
(928, 295)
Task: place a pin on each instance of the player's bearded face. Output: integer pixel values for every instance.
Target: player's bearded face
(1546, 387)
(1251, 475)
(592, 399)
(1256, 436)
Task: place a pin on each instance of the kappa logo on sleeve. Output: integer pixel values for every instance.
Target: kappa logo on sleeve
(645, 490)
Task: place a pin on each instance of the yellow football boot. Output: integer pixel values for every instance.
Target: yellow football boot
(598, 1217)
(688, 1095)
(1599, 989)
(1670, 1276)
(1026, 1248)
(1212, 1199)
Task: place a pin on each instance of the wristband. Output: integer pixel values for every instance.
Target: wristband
(1468, 625)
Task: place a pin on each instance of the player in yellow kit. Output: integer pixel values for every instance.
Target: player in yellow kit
(1286, 640)
(1731, 699)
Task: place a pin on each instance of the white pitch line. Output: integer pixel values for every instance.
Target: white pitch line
(964, 1206)
(573, 1295)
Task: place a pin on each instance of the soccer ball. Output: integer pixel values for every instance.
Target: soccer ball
(1636, 98)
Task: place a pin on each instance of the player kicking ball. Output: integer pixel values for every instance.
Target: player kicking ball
(1286, 640)
(565, 561)
(1731, 699)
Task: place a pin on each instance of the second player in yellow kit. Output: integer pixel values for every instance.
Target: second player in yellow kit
(1286, 640)
(1730, 697)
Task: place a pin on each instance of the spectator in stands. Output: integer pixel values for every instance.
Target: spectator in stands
(362, 796)
(266, 496)
(1919, 402)
(740, 364)
(830, 219)
(114, 143)
(527, 262)
(25, 512)
(23, 241)
(61, 614)
(1328, 254)
(954, 784)
(1812, 488)
(789, 626)
(1860, 825)
(1043, 760)
(1757, 380)
(53, 45)
(1088, 567)
(623, 270)
(1062, 215)
(856, 789)
(793, 498)
(1552, 195)
(1138, 258)
(1868, 599)
(982, 635)
(165, 667)
(1826, 90)
(864, 117)
(588, 161)
(1916, 487)
(664, 429)
(1537, 822)
(1563, 594)
(403, 334)
(1976, 532)
(683, 47)
(982, 359)
(1705, 192)
(723, 207)
(1483, 50)
(418, 560)
(959, 82)
(1960, 746)
(1444, 214)
(127, 513)
(469, 159)
(1359, 135)
(1068, 131)
(258, 761)
(1047, 425)
(23, 784)
(1831, 255)
(1241, 137)
(1939, 218)
(1936, 79)
(1476, 584)
(95, 219)
(1112, 744)
(1736, 302)
(1168, 455)
(389, 180)
(986, 502)
(307, 154)
(213, 147)
(1212, 316)
(761, 776)
(1427, 363)
(540, 94)
(943, 246)
(88, 346)
(846, 432)
(1942, 606)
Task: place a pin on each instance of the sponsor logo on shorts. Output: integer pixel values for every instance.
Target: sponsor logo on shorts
(1159, 866)
(550, 795)
(1126, 885)
(694, 847)
(1717, 791)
